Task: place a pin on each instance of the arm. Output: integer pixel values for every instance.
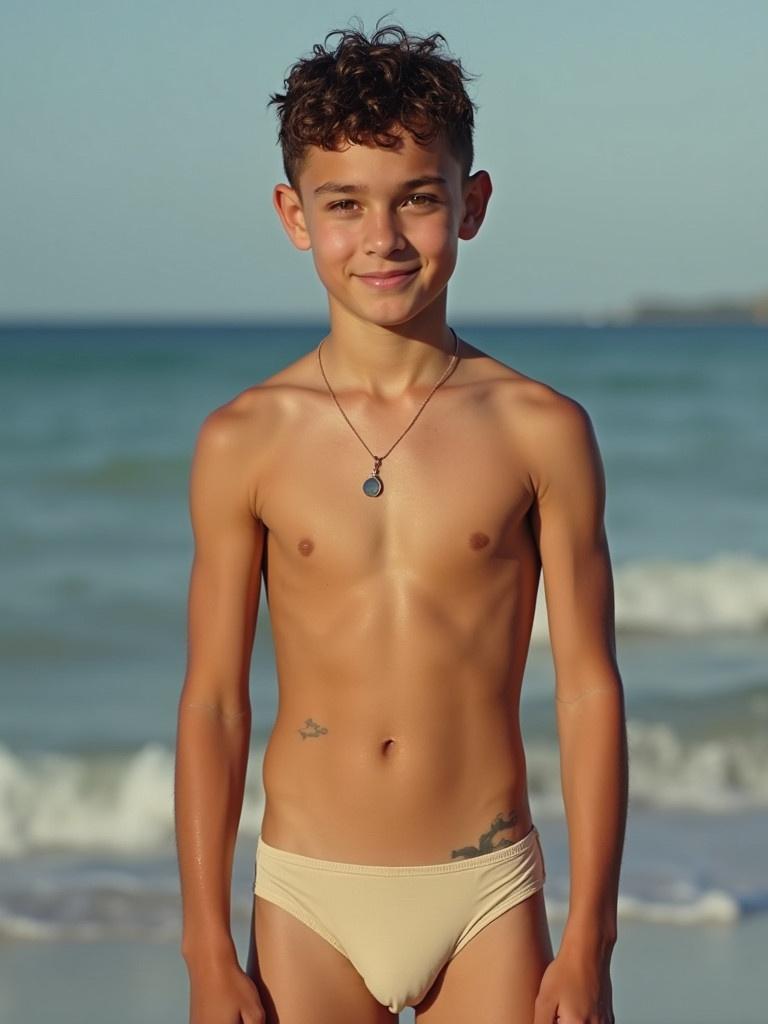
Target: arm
(569, 484)
(214, 715)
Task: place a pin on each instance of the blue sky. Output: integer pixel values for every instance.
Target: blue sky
(626, 143)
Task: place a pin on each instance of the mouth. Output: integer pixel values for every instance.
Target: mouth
(388, 279)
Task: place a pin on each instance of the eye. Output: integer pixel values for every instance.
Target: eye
(340, 205)
(428, 199)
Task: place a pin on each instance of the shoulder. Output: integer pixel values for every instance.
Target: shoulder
(557, 437)
(256, 410)
(551, 430)
(238, 440)
(530, 407)
(562, 451)
(543, 413)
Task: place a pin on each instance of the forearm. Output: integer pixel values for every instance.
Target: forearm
(594, 775)
(210, 770)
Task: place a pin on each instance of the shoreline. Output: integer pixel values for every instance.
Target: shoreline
(693, 982)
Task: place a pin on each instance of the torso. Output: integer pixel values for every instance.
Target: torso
(401, 623)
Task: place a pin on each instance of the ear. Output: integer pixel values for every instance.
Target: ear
(287, 202)
(477, 192)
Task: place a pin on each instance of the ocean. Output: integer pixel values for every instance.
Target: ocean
(97, 427)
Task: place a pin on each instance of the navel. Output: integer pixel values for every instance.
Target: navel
(479, 540)
(305, 546)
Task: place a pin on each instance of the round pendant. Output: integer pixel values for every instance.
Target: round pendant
(373, 487)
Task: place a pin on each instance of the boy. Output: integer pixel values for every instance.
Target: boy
(400, 491)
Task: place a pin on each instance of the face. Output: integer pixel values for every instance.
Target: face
(383, 224)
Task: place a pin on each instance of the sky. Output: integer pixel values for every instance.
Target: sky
(625, 141)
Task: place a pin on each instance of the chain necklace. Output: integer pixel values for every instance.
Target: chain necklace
(373, 485)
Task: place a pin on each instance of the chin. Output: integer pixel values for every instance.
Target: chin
(394, 319)
(392, 314)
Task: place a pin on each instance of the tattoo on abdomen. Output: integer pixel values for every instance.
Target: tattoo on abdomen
(499, 824)
(311, 729)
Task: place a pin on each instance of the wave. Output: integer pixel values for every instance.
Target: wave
(51, 801)
(35, 914)
(124, 801)
(707, 906)
(727, 592)
(90, 914)
(716, 776)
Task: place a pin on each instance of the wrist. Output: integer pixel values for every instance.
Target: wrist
(589, 937)
(209, 953)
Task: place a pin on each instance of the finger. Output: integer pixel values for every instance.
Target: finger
(545, 1013)
(254, 1016)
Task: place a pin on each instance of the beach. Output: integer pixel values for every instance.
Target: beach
(710, 975)
(92, 651)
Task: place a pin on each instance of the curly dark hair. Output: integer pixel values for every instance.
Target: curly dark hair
(365, 89)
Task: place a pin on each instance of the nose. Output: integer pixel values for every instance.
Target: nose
(382, 234)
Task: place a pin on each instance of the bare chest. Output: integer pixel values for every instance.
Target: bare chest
(453, 500)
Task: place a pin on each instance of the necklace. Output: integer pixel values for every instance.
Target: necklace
(374, 485)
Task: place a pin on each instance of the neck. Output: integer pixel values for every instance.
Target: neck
(386, 362)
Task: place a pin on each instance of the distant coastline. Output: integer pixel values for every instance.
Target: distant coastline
(661, 311)
(721, 311)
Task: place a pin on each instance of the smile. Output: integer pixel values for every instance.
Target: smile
(387, 281)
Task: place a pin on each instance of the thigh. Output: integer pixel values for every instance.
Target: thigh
(495, 978)
(301, 977)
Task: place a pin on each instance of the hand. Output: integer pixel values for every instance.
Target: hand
(575, 989)
(224, 995)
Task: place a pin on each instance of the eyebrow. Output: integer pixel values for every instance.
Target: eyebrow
(336, 186)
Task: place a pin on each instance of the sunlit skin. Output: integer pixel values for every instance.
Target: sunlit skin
(364, 209)
(401, 623)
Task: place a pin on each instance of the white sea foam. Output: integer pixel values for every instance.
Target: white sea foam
(92, 929)
(55, 800)
(716, 776)
(710, 907)
(101, 915)
(124, 803)
(728, 592)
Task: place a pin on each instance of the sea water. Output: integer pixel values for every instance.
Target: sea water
(97, 427)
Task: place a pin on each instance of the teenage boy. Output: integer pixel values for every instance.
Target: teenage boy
(399, 491)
